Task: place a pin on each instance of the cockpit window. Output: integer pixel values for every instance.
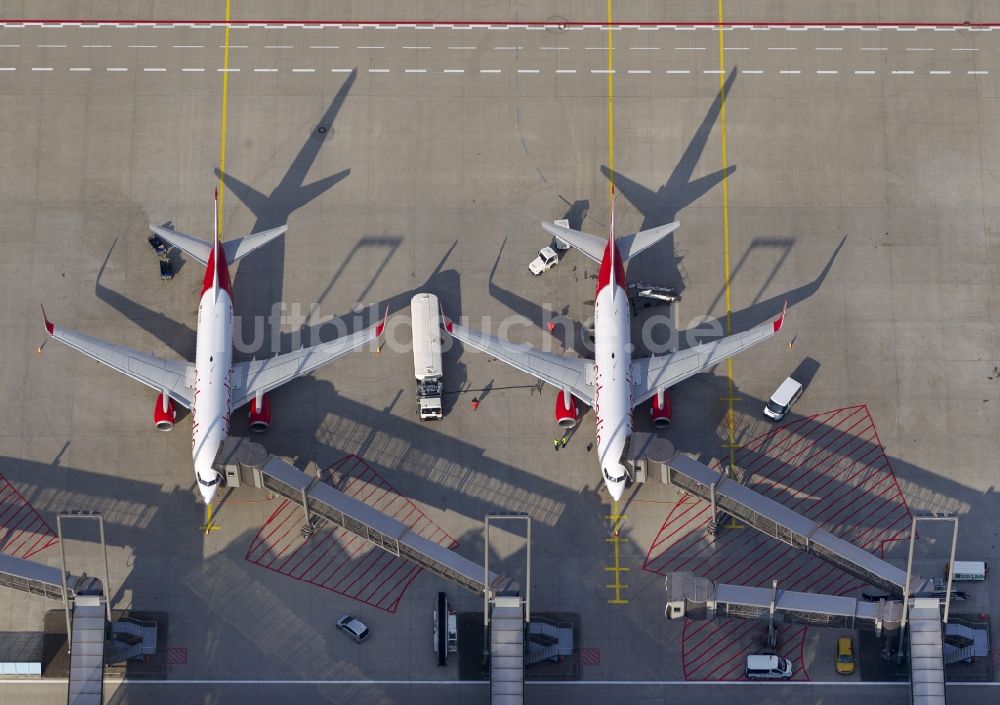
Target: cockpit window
(613, 479)
(209, 483)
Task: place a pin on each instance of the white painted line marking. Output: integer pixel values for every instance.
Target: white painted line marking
(736, 48)
(554, 48)
(223, 70)
(508, 48)
(940, 73)
(364, 47)
(597, 48)
(378, 70)
(644, 48)
(639, 71)
(117, 68)
(265, 70)
(193, 70)
(9, 46)
(416, 47)
(713, 71)
(605, 71)
(963, 49)
(235, 46)
(527, 70)
(565, 70)
(341, 70)
(96, 46)
(689, 48)
(156, 68)
(415, 70)
(188, 46)
(51, 46)
(829, 48)
(902, 73)
(919, 49)
(280, 46)
(11, 68)
(782, 48)
(462, 48)
(142, 46)
(874, 49)
(454, 71)
(79, 68)
(489, 70)
(303, 70)
(978, 73)
(864, 73)
(752, 71)
(41, 68)
(324, 46)
(677, 71)
(791, 72)
(826, 72)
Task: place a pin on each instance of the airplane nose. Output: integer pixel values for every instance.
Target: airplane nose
(617, 490)
(207, 493)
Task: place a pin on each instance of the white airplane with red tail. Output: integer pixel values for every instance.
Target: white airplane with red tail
(213, 385)
(613, 383)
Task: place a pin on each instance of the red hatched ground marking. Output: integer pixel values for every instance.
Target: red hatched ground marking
(336, 559)
(831, 468)
(177, 655)
(23, 532)
(590, 657)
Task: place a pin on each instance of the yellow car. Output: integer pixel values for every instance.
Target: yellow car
(845, 656)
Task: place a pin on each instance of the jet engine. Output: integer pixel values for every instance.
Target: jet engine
(566, 412)
(164, 413)
(659, 409)
(260, 418)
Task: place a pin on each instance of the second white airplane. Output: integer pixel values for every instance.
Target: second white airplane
(213, 385)
(613, 383)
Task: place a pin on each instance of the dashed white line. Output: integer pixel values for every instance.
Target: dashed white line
(41, 68)
(289, 46)
(235, 46)
(864, 73)
(8, 68)
(341, 70)
(919, 49)
(303, 70)
(827, 72)
(782, 48)
(977, 73)
(713, 71)
(605, 71)
(454, 71)
(963, 49)
(829, 48)
(489, 70)
(96, 46)
(644, 48)
(554, 48)
(689, 48)
(152, 69)
(225, 70)
(79, 68)
(565, 70)
(874, 49)
(416, 47)
(324, 46)
(736, 48)
(463, 48)
(507, 48)
(378, 70)
(265, 70)
(51, 46)
(792, 72)
(597, 48)
(142, 46)
(414, 70)
(752, 71)
(527, 70)
(9, 46)
(639, 71)
(940, 73)
(117, 68)
(677, 71)
(193, 70)
(902, 73)
(187, 46)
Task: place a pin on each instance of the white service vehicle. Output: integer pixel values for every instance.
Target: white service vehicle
(782, 399)
(768, 667)
(546, 260)
(427, 368)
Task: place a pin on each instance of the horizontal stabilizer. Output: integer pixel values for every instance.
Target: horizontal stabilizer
(628, 245)
(200, 249)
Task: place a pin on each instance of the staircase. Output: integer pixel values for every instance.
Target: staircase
(86, 659)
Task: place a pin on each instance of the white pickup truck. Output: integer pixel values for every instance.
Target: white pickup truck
(546, 260)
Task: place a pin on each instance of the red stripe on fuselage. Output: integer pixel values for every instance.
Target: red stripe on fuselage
(604, 275)
(222, 266)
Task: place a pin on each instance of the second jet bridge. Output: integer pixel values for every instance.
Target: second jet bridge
(780, 522)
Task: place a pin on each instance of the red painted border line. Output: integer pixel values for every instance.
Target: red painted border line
(489, 24)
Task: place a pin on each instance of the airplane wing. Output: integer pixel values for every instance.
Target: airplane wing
(589, 245)
(562, 372)
(241, 247)
(170, 376)
(261, 376)
(654, 373)
(628, 245)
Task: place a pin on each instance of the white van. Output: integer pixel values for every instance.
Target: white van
(968, 571)
(768, 666)
(782, 399)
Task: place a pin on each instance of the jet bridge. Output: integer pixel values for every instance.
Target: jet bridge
(780, 522)
(243, 462)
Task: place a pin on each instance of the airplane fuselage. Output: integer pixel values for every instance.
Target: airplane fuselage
(213, 386)
(612, 370)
